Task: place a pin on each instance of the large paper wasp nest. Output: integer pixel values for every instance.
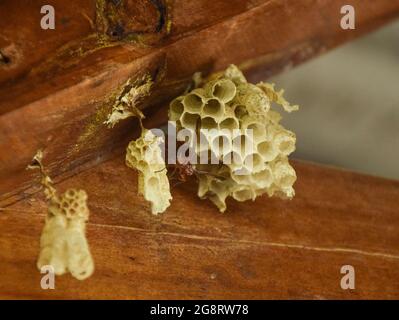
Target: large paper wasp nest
(248, 146)
(144, 154)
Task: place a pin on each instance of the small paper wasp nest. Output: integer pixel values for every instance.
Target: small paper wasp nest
(145, 155)
(63, 243)
(249, 147)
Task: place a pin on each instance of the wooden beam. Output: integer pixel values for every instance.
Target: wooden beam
(269, 248)
(57, 86)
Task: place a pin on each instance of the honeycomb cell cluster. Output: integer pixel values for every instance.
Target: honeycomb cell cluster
(145, 155)
(63, 243)
(246, 146)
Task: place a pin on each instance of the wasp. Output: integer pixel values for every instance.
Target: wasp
(184, 169)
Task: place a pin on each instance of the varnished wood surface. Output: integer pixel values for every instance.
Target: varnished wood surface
(58, 86)
(269, 248)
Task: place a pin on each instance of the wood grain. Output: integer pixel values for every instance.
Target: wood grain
(57, 86)
(269, 248)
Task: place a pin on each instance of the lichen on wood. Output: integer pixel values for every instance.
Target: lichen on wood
(143, 24)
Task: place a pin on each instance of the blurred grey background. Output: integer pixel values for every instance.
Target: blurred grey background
(349, 105)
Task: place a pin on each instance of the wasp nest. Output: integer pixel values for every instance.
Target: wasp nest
(63, 242)
(248, 146)
(145, 155)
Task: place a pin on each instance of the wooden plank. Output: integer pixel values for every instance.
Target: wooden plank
(57, 86)
(269, 248)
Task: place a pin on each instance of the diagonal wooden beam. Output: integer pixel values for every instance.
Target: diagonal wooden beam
(58, 86)
(269, 248)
